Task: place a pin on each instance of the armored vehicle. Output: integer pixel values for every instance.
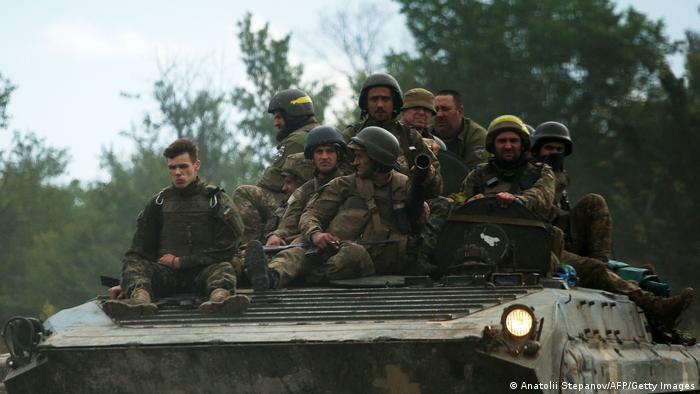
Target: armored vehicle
(497, 323)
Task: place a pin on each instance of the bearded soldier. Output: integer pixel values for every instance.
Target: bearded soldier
(293, 114)
(184, 240)
(588, 230)
(380, 102)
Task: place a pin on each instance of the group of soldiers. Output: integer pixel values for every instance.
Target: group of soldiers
(370, 199)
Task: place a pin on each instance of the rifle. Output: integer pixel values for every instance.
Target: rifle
(311, 247)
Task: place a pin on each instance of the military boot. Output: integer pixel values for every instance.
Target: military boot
(222, 301)
(663, 313)
(256, 266)
(139, 304)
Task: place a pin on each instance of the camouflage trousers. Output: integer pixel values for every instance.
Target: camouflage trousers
(589, 228)
(256, 205)
(595, 274)
(160, 280)
(349, 262)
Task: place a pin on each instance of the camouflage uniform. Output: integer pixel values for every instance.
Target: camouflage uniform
(468, 145)
(532, 184)
(288, 228)
(342, 208)
(258, 202)
(200, 225)
(411, 143)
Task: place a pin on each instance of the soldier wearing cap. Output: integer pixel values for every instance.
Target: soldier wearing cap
(463, 137)
(369, 205)
(293, 113)
(417, 112)
(380, 102)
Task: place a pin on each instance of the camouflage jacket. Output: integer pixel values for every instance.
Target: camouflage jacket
(354, 208)
(411, 143)
(293, 143)
(288, 228)
(533, 184)
(199, 224)
(469, 144)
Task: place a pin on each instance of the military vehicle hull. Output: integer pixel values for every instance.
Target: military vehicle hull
(441, 339)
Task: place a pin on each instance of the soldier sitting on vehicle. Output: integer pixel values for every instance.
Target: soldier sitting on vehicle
(380, 102)
(588, 230)
(326, 147)
(417, 112)
(370, 207)
(293, 113)
(185, 238)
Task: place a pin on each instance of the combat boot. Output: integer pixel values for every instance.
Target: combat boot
(139, 304)
(256, 266)
(222, 301)
(663, 313)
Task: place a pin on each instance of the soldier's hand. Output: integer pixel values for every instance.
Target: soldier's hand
(322, 240)
(504, 199)
(114, 292)
(476, 197)
(274, 240)
(170, 260)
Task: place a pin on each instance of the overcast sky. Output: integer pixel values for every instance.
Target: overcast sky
(71, 60)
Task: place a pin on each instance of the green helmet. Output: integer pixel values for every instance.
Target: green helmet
(552, 132)
(507, 123)
(323, 135)
(381, 79)
(293, 102)
(298, 166)
(380, 145)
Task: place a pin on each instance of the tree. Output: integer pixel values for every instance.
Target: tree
(269, 71)
(6, 89)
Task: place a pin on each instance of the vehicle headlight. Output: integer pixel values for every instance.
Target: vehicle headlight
(518, 321)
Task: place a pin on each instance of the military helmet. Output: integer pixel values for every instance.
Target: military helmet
(293, 102)
(381, 79)
(380, 145)
(297, 165)
(552, 132)
(507, 123)
(419, 97)
(323, 135)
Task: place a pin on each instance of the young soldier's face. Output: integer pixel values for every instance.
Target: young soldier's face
(508, 146)
(379, 103)
(182, 171)
(325, 158)
(550, 148)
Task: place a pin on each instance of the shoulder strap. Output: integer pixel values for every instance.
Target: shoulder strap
(365, 188)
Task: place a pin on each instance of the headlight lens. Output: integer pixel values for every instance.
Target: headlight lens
(519, 322)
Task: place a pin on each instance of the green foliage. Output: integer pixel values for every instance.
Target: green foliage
(6, 89)
(269, 71)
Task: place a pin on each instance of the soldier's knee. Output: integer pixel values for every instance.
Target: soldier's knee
(594, 203)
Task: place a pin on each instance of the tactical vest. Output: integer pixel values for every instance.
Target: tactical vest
(490, 181)
(189, 222)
